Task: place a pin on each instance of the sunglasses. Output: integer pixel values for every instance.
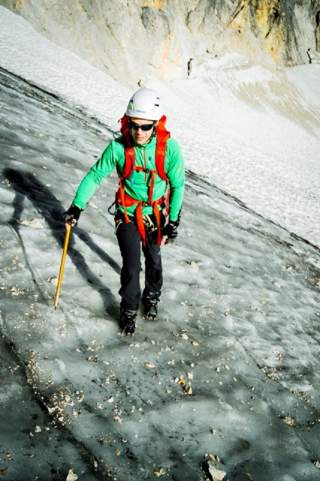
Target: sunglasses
(144, 127)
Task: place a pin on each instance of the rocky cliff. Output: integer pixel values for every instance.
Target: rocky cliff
(133, 38)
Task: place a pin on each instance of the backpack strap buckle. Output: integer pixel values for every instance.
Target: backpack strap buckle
(148, 222)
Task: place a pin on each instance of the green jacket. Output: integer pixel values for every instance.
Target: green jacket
(137, 185)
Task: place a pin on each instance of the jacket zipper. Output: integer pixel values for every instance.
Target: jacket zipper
(145, 164)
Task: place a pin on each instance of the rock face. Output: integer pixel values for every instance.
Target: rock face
(131, 39)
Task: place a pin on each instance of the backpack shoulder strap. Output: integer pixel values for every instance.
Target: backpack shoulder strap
(128, 149)
(162, 137)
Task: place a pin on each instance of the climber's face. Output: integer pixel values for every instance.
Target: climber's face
(141, 130)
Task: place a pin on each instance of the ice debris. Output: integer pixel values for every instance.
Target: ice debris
(71, 476)
(213, 468)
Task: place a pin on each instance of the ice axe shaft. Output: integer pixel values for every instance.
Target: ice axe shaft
(62, 264)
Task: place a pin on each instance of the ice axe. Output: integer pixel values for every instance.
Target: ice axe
(62, 264)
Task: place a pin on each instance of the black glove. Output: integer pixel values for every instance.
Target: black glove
(71, 216)
(170, 230)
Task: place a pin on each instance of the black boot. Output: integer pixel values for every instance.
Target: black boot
(127, 320)
(150, 307)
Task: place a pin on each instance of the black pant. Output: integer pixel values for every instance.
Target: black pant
(130, 247)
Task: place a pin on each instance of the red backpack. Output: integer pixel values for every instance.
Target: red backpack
(125, 200)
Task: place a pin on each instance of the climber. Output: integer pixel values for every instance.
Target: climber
(148, 200)
(189, 66)
(309, 55)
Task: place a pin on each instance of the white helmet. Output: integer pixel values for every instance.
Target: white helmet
(145, 104)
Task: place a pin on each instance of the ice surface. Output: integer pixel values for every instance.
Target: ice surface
(30, 446)
(231, 368)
